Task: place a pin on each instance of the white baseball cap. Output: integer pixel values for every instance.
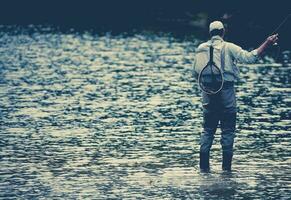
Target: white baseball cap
(215, 25)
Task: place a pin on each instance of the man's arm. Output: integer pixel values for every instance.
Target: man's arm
(244, 56)
(269, 41)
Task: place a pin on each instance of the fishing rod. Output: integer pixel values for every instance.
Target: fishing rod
(276, 31)
(280, 25)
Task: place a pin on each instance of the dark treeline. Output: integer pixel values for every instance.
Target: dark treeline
(248, 21)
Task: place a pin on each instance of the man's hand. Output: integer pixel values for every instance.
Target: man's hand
(269, 41)
(272, 39)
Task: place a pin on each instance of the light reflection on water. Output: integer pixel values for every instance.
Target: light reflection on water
(88, 116)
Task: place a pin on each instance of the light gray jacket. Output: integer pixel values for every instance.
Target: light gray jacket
(232, 55)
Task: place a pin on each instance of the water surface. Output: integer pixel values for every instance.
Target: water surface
(87, 116)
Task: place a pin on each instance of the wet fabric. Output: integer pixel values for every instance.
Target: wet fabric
(219, 109)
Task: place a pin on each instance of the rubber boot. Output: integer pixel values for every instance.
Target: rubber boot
(204, 162)
(226, 161)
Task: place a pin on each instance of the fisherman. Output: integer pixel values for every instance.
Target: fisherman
(221, 107)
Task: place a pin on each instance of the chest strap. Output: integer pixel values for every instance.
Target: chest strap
(222, 58)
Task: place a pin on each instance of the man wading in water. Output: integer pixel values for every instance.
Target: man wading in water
(221, 107)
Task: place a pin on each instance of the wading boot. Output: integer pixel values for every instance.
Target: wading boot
(226, 161)
(204, 162)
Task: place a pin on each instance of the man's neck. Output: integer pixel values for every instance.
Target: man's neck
(216, 37)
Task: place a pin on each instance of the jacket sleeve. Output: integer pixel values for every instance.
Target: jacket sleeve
(242, 55)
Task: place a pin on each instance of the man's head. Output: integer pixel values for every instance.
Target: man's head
(216, 28)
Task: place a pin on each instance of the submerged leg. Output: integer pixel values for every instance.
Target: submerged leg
(209, 128)
(228, 122)
(227, 138)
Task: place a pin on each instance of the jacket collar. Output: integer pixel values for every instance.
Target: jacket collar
(216, 37)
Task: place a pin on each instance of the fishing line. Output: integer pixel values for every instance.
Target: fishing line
(275, 31)
(281, 24)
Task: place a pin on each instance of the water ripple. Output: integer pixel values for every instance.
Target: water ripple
(86, 116)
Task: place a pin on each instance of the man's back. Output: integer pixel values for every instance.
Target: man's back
(231, 53)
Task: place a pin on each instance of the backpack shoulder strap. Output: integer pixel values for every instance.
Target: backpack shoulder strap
(222, 57)
(211, 54)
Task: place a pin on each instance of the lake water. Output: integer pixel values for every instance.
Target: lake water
(87, 116)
